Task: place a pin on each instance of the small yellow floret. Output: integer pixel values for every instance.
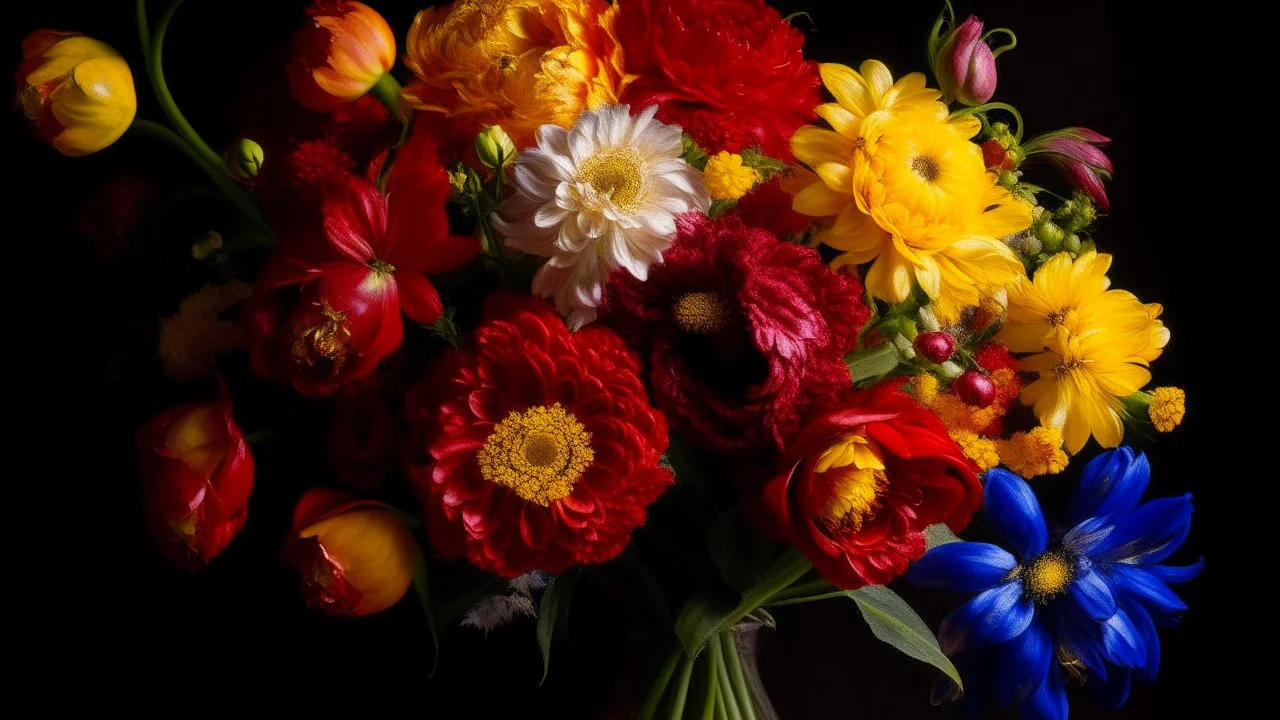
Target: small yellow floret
(1038, 452)
(727, 178)
(193, 337)
(925, 387)
(1168, 406)
(980, 450)
(539, 453)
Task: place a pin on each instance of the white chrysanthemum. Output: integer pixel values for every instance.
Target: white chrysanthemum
(600, 196)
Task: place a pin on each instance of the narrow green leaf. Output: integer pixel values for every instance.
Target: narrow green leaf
(423, 590)
(720, 207)
(893, 621)
(872, 362)
(699, 620)
(740, 550)
(553, 613)
(939, 534)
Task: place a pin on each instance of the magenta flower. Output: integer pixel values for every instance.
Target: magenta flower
(965, 65)
(1075, 152)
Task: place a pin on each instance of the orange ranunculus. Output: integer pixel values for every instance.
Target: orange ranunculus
(515, 63)
(197, 475)
(340, 54)
(355, 556)
(77, 91)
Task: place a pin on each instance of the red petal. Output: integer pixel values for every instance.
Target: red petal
(418, 297)
(355, 220)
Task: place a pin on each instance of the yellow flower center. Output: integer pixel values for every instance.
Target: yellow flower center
(926, 167)
(617, 174)
(700, 313)
(1067, 367)
(1047, 576)
(539, 453)
(1059, 316)
(326, 341)
(852, 471)
(382, 268)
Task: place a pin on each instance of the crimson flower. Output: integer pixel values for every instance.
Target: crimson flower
(326, 307)
(535, 448)
(732, 73)
(862, 482)
(744, 332)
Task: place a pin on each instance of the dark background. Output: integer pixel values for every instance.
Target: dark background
(107, 619)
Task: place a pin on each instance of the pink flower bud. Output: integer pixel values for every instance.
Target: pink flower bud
(1077, 156)
(975, 388)
(965, 66)
(935, 346)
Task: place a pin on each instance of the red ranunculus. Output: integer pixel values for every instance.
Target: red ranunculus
(744, 332)
(326, 310)
(535, 448)
(863, 481)
(197, 473)
(730, 72)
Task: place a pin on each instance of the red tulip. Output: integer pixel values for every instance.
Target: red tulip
(342, 51)
(197, 473)
(327, 309)
(1075, 152)
(355, 556)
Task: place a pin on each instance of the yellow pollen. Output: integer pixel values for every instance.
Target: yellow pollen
(852, 471)
(1047, 576)
(381, 267)
(1059, 316)
(326, 341)
(700, 313)
(1067, 367)
(539, 453)
(617, 174)
(926, 167)
(1168, 406)
(1038, 452)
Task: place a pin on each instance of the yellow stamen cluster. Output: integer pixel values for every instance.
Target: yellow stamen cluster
(980, 450)
(852, 470)
(192, 338)
(324, 342)
(616, 174)
(925, 387)
(1168, 406)
(1038, 452)
(700, 313)
(539, 453)
(727, 178)
(1047, 576)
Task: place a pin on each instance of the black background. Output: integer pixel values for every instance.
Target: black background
(106, 620)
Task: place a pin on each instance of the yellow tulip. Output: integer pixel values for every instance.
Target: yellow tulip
(77, 91)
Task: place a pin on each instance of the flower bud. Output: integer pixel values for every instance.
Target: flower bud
(244, 160)
(1051, 235)
(965, 66)
(1074, 151)
(197, 474)
(494, 147)
(342, 52)
(355, 556)
(975, 388)
(936, 347)
(76, 91)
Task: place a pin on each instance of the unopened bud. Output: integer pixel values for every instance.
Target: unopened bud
(975, 388)
(494, 147)
(244, 160)
(936, 347)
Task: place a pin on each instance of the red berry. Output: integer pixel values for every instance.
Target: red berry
(935, 346)
(975, 388)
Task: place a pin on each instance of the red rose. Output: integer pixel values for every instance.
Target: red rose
(326, 310)
(730, 72)
(197, 473)
(862, 483)
(536, 448)
(744, 333)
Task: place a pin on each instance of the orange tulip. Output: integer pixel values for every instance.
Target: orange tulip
(342, 52)
(355, 556)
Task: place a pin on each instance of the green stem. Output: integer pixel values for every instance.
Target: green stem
(682, 688)
(746, 700)
(806, 598)
(786, 570)
(659, 688)
(144, 34)
(726, 690)
(1017, 116)
(801, 590)
(155, 67)
(1013, 41)
(387, 90)
(709, 702)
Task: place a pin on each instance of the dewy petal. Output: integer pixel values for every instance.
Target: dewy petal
(962, 567)
(1013, 509)
(993, 617)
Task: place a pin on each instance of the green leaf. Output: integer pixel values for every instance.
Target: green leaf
(720, 207)
(873, 362)
(765, 166)
(893, 621)
(740, 550)
(700, 619)
(693, 154)
(553, 614)
(939, 534)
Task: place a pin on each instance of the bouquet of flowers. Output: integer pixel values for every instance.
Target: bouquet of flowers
(636, 290)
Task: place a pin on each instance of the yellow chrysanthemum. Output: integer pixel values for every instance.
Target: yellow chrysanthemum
(981, 450)
(908, 191)
(727, 178)
(1038, 452)
(515, 63)
(192, 338)
(1168, 406)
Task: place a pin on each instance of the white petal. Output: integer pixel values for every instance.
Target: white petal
(549, 215)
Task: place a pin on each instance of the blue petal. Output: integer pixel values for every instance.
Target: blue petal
(1149, 534)
(1049, 701)
(1012, 508)
(995, 616)
(1122, 642)
(962, 567)
(1145, 588)
(1083, 539)
(1112, 483)
(1114, 691)
(1150, 665)
(1022, 664)
(1083, 642)
(1090, 594)
(1176, 575)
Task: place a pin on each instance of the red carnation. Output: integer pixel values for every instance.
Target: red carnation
(326, 309)
(538, 447)
(732, 73)
(862, 483)
(744, 332)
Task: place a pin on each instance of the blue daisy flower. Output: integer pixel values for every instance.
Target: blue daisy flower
(1083, 607)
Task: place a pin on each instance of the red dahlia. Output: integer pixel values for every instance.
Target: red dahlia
(744, 333)
(538, 447)
(730, 72)
(864, 480)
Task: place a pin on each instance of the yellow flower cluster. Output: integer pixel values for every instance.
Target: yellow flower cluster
(965, 423)
(727, 178)
(907, 191)
(192, 338)
(1029, 454)
(977, 448)
(1168, 405)
(1091, 346)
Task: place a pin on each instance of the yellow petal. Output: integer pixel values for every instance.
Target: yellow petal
(814, 146)
(878, 78)
(849, 89)
(840, 118)
(890, 277)
(818, 200)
